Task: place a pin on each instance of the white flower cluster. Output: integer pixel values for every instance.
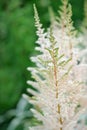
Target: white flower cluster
(82, 121)
(58, 78)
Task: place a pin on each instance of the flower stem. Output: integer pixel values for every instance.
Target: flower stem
(56, 84)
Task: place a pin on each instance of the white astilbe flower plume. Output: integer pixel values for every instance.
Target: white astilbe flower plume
(56, 79)
(64, 32)
(82, 121)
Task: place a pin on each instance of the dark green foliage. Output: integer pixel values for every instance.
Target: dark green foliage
(16, 44)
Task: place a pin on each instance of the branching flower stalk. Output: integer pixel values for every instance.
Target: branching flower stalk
(56, 77)
(64, 20)
(54, 55)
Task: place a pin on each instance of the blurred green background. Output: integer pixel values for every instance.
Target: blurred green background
(17, 41)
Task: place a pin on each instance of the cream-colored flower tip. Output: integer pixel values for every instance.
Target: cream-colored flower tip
(58, 78)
